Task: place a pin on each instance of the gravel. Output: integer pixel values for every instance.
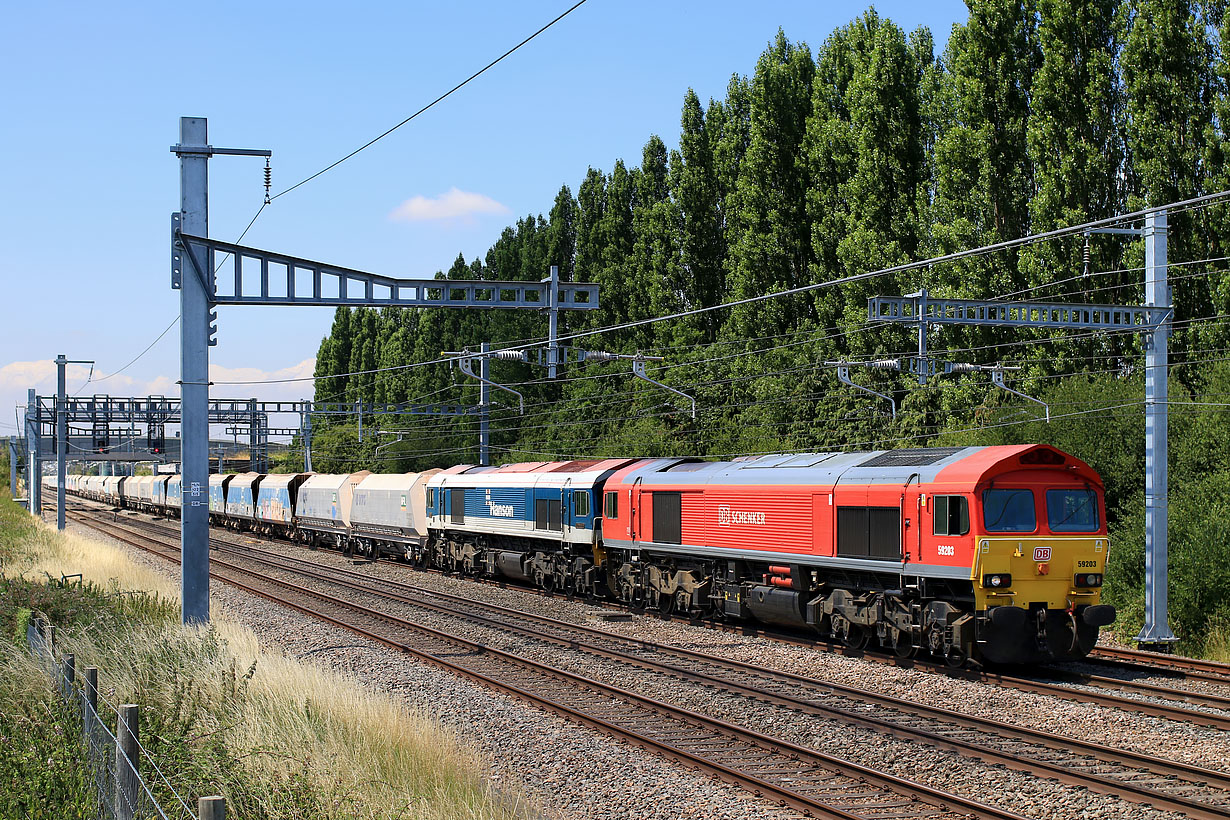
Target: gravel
(570, 771)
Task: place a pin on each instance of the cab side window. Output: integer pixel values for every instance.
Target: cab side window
(580, 503)
(951, 515)
(431, 497)
(611, 508)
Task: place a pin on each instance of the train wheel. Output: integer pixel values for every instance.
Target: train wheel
(576, 585)
(904, 648)
(849, 634)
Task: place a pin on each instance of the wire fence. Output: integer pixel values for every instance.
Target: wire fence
(115, 757)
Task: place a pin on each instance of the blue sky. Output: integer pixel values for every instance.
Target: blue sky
(93, 92)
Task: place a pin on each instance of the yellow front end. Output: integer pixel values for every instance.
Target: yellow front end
(1038, 571)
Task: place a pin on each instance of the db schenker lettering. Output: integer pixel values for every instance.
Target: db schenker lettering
(727, 516)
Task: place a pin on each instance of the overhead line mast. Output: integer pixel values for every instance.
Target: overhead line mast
(274, 279)
(1154, 320)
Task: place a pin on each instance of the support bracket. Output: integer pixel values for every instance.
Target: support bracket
(843, 376)
(638, 370)
(997, 379)
(466, 363)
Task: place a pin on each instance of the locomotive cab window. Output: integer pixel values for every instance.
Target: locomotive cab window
(431, 497)
(1072, 510)
(951, 515)
(1009, 511)
(611, 508)
(580, 503)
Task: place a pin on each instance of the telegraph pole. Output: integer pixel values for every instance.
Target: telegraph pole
(195, 282)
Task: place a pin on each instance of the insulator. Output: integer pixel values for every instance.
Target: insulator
(885, 364)
(268, 180)
(1086, 255)
(964, 367)
(509, 355)
(600, 356)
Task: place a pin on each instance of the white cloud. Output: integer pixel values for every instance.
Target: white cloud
(453, 204)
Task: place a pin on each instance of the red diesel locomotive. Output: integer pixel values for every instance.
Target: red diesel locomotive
(993, 554)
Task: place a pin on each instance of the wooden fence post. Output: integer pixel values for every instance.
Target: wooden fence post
(68, 672)
(127, 761)
(211, 808)
(90, 685)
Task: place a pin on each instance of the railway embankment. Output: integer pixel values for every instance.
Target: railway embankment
(221, 714)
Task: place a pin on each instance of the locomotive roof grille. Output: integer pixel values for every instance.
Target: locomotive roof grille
(920, 457)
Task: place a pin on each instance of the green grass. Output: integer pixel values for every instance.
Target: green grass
(223, 715)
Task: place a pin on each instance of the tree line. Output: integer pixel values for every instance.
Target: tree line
(870, 151)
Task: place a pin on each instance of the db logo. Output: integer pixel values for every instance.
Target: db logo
(724, 516)
(1042, 553)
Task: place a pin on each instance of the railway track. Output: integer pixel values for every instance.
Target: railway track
(804, 779)
(1165, 665)
(1053, 681)
(1194, 791)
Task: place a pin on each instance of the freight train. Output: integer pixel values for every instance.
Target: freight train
(965, 554)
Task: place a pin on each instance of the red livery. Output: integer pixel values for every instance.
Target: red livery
(994, 553)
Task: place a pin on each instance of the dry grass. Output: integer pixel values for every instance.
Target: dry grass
(1217, 644)
(282, 720)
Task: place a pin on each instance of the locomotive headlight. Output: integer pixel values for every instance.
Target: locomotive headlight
(997, 580)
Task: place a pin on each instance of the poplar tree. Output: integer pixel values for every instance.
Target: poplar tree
(1167, 76)
(770, 251)
(696, 193)
(980, 106)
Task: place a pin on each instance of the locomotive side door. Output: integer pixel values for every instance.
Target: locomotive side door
(911, 520)
(565, 501)
(634, 498)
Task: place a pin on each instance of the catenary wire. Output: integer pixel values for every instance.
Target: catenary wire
(431, 104)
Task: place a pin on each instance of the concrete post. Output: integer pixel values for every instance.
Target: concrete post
(61, 437)
(127, 762)
(1156, 633)
(922, 336)
(484, 408)
(194, 369)
(211, 808)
